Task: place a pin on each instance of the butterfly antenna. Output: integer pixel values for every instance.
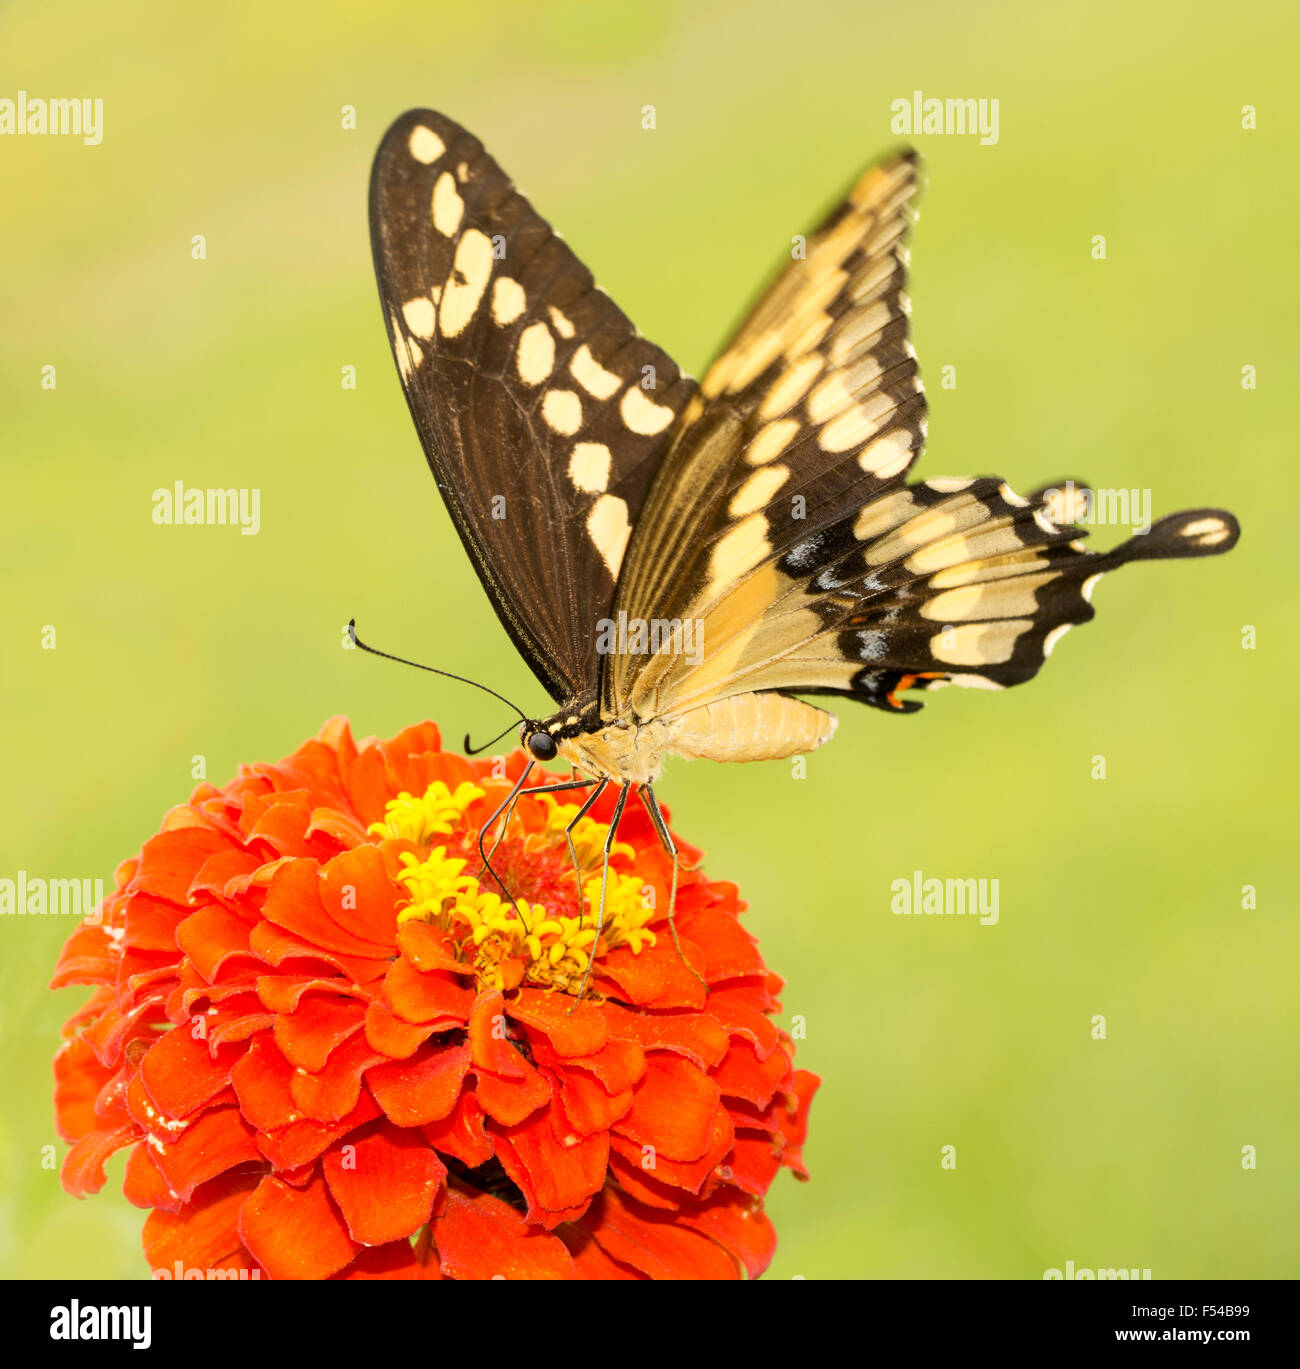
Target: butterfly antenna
(476, 750)
(401, 660)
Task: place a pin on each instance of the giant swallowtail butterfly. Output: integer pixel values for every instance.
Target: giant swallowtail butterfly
(677, 561)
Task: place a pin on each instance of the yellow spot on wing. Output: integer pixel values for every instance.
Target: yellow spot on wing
(757, 490)
(883, 514)
(1206, 532)
(425, 145)
(979, 643)
(643, 415)
(855, 425)
(740, 550)
(536, 354)
(419, 316)
(448, 207)
(860, 329)
(591, 375)
(465, 286)
(866, 285)
(888, 455)
(508, 300)
(791, 386)
(885, 237)
(981, 543)
(1011, 497)
(1007, 598)
(609, 529)
(562, 410)
(928, 527)
(409, 357)
(771, 441)
(991, 568)
(831, 397)
(589, 465)
(405, 349)
(969, 682)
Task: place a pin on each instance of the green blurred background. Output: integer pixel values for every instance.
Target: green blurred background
(1120, 897)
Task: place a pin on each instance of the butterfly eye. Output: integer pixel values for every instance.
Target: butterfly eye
(542, 745)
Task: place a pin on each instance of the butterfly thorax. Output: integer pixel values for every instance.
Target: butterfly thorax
(620, 749)
(627, 752)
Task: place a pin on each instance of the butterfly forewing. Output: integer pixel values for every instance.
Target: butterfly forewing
(542, 412)
(814, 407)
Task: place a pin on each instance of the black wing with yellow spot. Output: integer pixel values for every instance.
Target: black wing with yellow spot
(542, 412)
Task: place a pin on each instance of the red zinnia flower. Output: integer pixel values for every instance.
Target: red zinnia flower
(334, 1052)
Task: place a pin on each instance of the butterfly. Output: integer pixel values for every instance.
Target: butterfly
(678, 561)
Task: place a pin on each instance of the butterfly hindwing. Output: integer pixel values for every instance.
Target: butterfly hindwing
(942, 582)
(967, 583)
(542, 412)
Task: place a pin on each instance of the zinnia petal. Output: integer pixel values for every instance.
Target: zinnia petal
(295, 1233)
(385, 1183)
(480, 1237)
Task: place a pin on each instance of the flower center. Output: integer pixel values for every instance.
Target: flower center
(588, 835)
(526, 943)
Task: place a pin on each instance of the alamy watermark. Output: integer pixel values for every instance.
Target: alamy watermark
(1079, 504)
(180, 1270)
(920, 115)
(72, 1321)
(622, 636)
(946, 898)
(1072, 1272)
(198, 507)
(29, 894)
(78, 118)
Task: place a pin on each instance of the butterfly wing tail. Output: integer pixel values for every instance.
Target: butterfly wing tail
(999, 636)
(1194, 532)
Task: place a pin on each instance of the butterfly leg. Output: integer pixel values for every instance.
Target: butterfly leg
(538, 789)
(604, 882)
(505, 824)
(670, 847)
(507, 802)
(568, 837)
(564, 784)
(507, 806)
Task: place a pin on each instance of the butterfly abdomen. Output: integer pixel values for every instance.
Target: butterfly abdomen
(750, 727)
(763, 726)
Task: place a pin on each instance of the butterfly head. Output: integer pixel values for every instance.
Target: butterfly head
(563, 733)
(538, 742)
(544, 738)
